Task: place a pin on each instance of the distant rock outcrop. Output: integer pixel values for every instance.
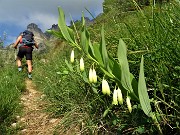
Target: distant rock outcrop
(53, 27)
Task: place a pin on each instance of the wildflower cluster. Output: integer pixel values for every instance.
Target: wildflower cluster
(117, 94)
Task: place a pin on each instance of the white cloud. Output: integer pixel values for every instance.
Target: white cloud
(45, 12)
(43, 20)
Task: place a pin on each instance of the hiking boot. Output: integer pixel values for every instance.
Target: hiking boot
(30, 76)
(19, 69)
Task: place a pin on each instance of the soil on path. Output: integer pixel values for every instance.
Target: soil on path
(35, 121)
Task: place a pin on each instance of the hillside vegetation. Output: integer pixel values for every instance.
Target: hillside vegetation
(134, 47)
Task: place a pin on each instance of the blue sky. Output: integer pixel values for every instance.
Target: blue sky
(15, 15)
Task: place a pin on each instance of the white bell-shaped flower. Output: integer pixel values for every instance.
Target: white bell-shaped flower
(105, 87)
(129, 104)
(81, 64)
(115, 96)
(72, 56)
(90, 75)
(119, 95)
(94, 76)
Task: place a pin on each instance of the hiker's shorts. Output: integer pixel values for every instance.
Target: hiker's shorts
(25, 51)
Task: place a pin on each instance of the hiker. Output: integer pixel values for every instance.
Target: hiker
(25, 42)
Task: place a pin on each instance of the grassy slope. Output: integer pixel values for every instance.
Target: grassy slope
(11, 87)
(155, 34)
(75, 102)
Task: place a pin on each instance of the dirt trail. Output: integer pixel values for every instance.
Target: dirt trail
(35, 121)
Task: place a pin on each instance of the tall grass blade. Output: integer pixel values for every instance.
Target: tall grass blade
(90, 13)
(97, 53)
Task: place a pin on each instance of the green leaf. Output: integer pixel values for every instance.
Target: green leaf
(91, 50)
(66, 32)
(83, 20)
(125, 74)
(106, 72)
(72, 35)
(115, 68)
(65, 72)
(85, 40)
(106, 112)
(134, 84)
(97, 52)
(140, 130)
(57, 34)
(104, 50)
(142, 90)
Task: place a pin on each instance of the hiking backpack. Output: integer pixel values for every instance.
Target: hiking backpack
(28, 38)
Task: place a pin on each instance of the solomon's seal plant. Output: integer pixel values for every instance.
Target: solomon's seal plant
(115, 69)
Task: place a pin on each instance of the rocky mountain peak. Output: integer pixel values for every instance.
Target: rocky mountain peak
(38, 34)
(33, 26)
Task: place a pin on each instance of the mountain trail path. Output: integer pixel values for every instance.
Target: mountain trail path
(34, 119)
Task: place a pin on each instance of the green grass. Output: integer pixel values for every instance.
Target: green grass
(64, 89)
(11, 86)
(160, 37)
